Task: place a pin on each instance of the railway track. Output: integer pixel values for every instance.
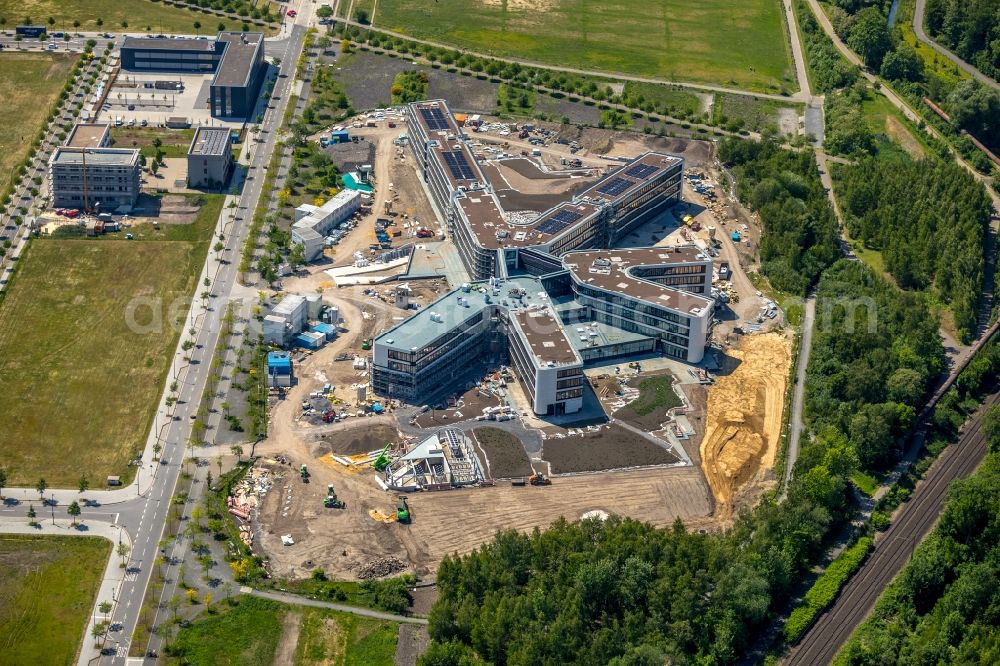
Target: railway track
(893, 549)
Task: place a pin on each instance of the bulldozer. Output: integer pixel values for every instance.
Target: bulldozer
(304, 474)
(539, 480)
(403, 511)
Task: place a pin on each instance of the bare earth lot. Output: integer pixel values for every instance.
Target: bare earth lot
(504, 453)
(613, 447)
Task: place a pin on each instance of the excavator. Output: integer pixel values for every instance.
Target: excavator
(382, 461)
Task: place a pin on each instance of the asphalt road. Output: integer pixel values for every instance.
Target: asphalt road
(144, 517)
(918, 29)
(893, 549)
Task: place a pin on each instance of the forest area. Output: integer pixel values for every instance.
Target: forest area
(944, 608)
(971, 106)
(783, 186)
(936, 241)
(970, 29)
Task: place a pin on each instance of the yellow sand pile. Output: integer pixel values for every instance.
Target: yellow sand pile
(744, 415)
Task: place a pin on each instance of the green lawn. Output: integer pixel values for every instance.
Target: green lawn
(884, 118)
(739, 44)
(174, 142)
(248, 633)
(141, 15)
(47, 591)
(29, 85)
(664, 99)
(328, 638)
(750, 113)
(86, 380)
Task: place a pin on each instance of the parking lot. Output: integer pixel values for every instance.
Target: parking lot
(157, 97)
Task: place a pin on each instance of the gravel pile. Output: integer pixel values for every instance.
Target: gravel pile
(383, 566)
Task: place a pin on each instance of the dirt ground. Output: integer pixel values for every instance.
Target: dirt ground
(413, 641)
(342, 540)
(611, 447)
(501, 453)
(745, 409)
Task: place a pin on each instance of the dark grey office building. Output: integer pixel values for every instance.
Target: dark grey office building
(236, 58)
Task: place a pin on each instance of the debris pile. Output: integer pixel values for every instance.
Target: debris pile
(246, 498)
(380, 568)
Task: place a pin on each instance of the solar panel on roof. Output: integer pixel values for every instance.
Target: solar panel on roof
(558, 222)
(434, 118)
(458, 165)
(641, 170)
(615, 186)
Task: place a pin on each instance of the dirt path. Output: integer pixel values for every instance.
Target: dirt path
(745, 409)
(291, 623)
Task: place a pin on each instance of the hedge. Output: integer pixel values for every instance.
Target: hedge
(826, 588)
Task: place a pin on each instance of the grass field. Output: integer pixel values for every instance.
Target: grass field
(175, 142)
(86, 381)
(29, 84)
(249, 633)
(47, 590)
(749, 113)
(610, 448)
(141, 15)
(739, 44)
(884, 118)
(656, 396)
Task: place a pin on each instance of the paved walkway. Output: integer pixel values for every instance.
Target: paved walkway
(798, 395)
(114, 574)
(302, 601)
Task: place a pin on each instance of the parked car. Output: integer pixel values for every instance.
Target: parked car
(292, 13)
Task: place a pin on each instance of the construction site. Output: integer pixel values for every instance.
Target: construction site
(355, 482)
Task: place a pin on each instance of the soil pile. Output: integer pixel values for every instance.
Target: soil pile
(744, 416)
(383, 566)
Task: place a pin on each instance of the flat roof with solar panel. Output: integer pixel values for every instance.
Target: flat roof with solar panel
(210, 141)
(457, 163)
(641, 170)
(434, 118)
(614, 186)
(558, 222)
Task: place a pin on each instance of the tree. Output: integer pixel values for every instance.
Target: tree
(192, 596)
(902, 64)
(31, 515)
(361, 16)
(97, 631)
(297, 256)
(174, 604)
(73, 510)
(41, 486)
(52, 21)
(122, 551)
(100, 22)
(870, 37)
(105, 607)
(154, 167)
(3, 480)
(237, 451)
(83, 483)
(991, 426)
(157, 447)
(197, 27)
(324, 12)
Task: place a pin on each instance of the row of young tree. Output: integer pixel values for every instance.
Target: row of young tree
(800, 231)
(928, 218)
(944, 608)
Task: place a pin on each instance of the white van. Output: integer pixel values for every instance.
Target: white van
(119, 121)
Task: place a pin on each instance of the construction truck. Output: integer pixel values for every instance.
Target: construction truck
(304, 474)
(331, 501)
(382, 461)
(403, 511)
(539, 480)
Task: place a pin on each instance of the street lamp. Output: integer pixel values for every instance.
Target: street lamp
(52, 505)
